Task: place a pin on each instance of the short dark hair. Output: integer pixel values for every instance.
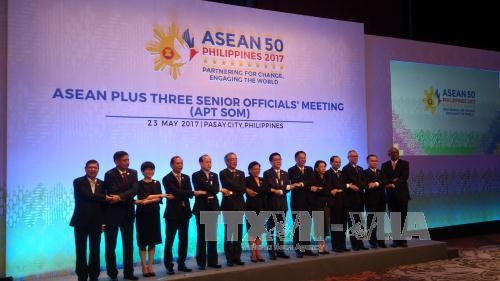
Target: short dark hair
(92, 161)
(299, 152)
(203, 156)
(119, 154)
(333, 158)
(316, 165)
(227, 156)
(173, 159)
(272, 155)
(252, 164)
(147, 165)
(370, 155)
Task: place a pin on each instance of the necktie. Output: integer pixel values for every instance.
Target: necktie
(124, 177)
(178, 177)
(92, 186)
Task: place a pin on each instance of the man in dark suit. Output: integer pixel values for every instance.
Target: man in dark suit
(375, 201)
(353, 199)
(397, 172)
(338, 214)
(302, 200)
(208, 181)
(278, 185)
(233, 188)
(121, 184)
(87, 221)
(177, 213)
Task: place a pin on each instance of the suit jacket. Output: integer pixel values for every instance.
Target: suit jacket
(178, 208)
(302, 198)
(89, 207)
(354, 176)
(114, 184)
(235, 182)
(375, 194)
(209, 184)
(337, 181)
(257, 203)
(398, 176)
(323, 197)
(276, 202)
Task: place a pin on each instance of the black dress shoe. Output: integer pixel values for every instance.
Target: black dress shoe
(299, 254)
(131, 277)
(201, 267)
(355, 248)
(170, 271)
(184, 269)
(239, 262)
(272, 256)
(261, 260)
(394, 244)
(324, 253)
(230, 264)
(346, 249)
(403, 244)
(373, 245)
(283, 255)
(215, 265)
(382, 245)
(337, 250)
(311, 253)
(152, 274)
(363, 247)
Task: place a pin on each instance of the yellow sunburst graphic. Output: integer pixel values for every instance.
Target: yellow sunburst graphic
(429, 100)
(163, 47)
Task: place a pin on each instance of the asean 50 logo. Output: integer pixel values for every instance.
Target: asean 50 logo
(431, 100)
(171, 50)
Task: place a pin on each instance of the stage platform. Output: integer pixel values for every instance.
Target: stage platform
(294, 269)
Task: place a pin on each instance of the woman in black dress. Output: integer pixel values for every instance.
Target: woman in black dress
(254, 203)
(148, 227)
(321, 191)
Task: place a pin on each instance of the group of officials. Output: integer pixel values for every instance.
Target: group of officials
(343, 194)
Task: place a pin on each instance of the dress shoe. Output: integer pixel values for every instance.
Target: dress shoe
(201, 267)
(183, 268)
(215, 265)
(239, 262)
(152, 273)
(382, 245)
(299, 254)
(345, 249)
(230, 264)
(403, 244)
(170, 271)
(338, 250)
(324, 252)
(373, 245)
(394, 244)
(272, 256)
(311, 253)
(131, 277)
(261, 260)
(283, 255)
(362, 247)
